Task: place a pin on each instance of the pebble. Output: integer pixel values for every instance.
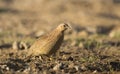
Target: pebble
(81, 45)
(82, 33)
(5, 67)
(15, 45)
(19, 45)
(27, 70)
(39, 33)
(94, 72)
(114, 33)
(57, 67)
(23, 45)
(83, 68)
(76, 67)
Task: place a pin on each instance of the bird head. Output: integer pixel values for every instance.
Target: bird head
(64, 27)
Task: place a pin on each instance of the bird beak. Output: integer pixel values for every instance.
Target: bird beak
(69, 26)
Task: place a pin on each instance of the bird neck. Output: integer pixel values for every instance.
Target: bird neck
(56, 33)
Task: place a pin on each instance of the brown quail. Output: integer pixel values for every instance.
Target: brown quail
(49, 43)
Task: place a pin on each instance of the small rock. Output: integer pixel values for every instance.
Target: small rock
(76, 67)
(3, 66)
(39, 33)
(82, 33)
(57, 67)
(114, 33)
(23, 45)
(15, 45)
(71, 65)
(27, 70)
(83, 68)
(94, 72)
(19, 45)
(81, 45)
(73, 43)
(7, 68)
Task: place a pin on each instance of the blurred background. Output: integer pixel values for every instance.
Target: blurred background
(34, 17)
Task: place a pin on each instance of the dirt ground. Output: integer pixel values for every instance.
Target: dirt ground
(92, 47)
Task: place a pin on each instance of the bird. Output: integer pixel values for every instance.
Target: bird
(49, 43)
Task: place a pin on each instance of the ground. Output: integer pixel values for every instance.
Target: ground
(92, 46)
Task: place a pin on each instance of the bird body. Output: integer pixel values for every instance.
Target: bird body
(49, 43)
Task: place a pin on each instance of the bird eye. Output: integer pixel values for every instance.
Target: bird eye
(64, 25)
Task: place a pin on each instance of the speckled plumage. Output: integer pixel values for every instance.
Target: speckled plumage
(49, 43)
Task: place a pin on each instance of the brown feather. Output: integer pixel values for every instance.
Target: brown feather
(49, 43)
